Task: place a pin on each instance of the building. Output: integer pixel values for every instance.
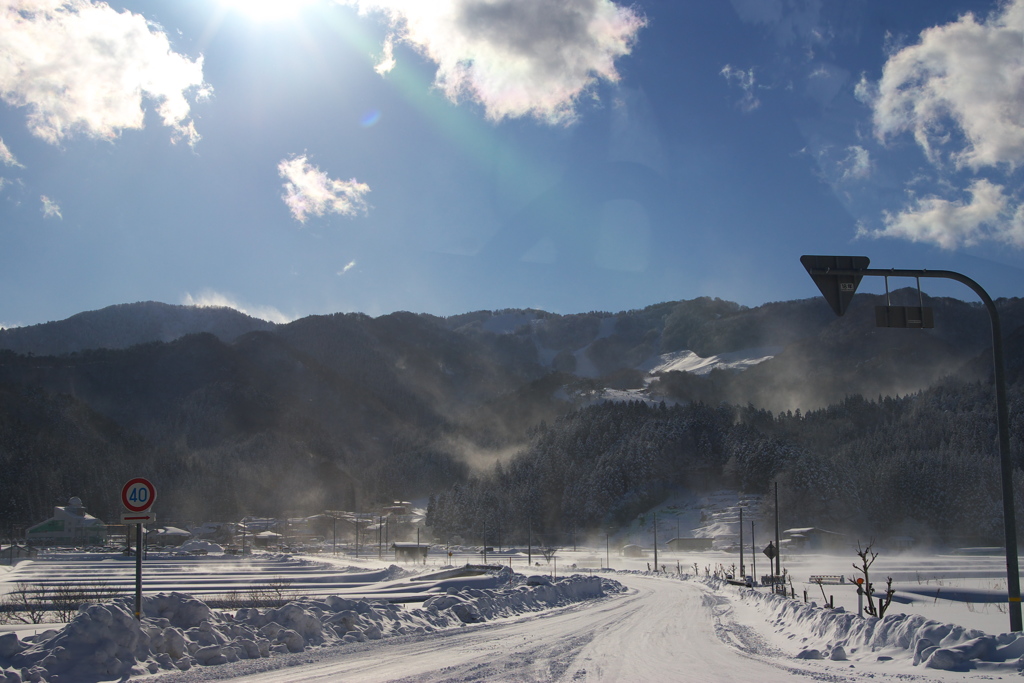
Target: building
(632, 550)
(815, 539)
(70, 525)
(411, 552)
(168, 536)
(688, 544)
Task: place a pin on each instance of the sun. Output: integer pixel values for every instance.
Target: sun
(267, 10)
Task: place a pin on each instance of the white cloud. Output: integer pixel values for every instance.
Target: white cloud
(745, 80)
(6, 157)
(347, 267)
(857, 164)
(986, 214)
(515, 57)
(50, 208)
(308, 191)
(211, 299)
(387, 59)
(968, 76)
(81, 66)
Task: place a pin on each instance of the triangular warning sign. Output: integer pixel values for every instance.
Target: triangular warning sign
(838, 290)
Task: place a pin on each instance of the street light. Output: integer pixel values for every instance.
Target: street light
(838, 276)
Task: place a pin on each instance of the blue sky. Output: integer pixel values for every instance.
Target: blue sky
(318, 156)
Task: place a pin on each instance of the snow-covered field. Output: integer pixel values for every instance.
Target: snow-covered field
(429, 623)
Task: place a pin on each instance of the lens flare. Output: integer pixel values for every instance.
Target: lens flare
(267, 10)
(370, 118)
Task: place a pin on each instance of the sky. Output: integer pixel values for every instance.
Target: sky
(298, 157)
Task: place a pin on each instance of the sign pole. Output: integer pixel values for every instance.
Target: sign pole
(137, 496)
(138, 571)
(753, 554)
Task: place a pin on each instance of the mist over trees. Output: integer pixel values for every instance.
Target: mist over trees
(923, 465)
(502, 417)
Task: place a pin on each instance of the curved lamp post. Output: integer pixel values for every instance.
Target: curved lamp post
(838, 276)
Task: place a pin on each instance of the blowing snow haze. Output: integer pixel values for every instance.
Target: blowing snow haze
(515, 412)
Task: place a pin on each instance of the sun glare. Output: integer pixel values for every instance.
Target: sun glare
(267, 10)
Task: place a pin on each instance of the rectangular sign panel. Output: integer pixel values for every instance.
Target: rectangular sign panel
(137, 517)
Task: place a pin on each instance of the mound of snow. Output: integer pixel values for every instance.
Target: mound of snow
(177, 631)
(840, 635)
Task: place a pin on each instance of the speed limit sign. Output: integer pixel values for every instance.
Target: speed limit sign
(138, 495)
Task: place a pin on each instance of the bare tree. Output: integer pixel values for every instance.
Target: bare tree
(66, 598)
(29, 602)
(272, 593)
(549, 553)
(867, 558)
(821, 586)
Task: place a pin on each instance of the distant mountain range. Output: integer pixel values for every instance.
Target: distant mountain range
(125, 325)
(338, 411)
(816, 358)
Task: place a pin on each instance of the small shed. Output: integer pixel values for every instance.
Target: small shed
(169, 535)
(265, 539)
(411, 552)
(632, 550)
(689, 544)
(813, 538)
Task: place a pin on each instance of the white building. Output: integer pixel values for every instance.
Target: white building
(70, 525)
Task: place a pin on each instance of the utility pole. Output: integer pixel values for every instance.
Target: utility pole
(743, 573)
(753, 554)
(655, 542)
(778, 549)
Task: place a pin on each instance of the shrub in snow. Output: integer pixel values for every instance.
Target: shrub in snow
(106, 642)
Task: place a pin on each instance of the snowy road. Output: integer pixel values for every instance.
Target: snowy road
(662, 630)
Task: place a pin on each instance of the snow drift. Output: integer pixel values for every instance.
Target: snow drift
(177, 631)
(842, 635)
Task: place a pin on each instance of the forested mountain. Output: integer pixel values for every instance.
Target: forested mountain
(125, 325)
(923, 465)
(502, 416)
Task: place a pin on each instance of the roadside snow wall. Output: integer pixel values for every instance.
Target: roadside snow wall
(843, 635)
(105, 642)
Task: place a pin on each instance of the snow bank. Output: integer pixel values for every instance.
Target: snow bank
(106, 642)
(842, 635)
